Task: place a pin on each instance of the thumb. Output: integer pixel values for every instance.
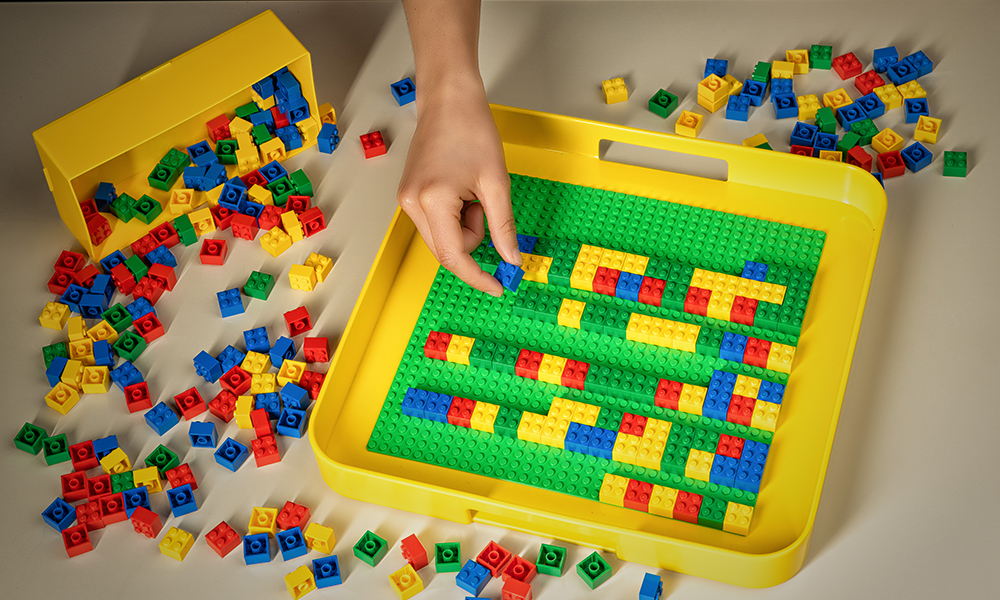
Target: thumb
(495, 198)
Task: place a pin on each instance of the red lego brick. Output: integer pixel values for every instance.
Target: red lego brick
(280, 120)
(149, 327)
(313, 221)
(297, 204)
(730, 446)
(99, 229)
(164, 274)
(312, 383)
(223, 216)
(165, 234)
(218, 128)
(112, 508)
(740, 410)
(574, 374)
(144, 245)
(146, 522)
(181, 475)
(632, 424)
(436, 346)
(516, 590)
(223, 405)
(696, 301)
(265, 451)
(292, 515)
(253, 178)
(60, 279)
(520, 569)
(148, 288)
(213, 252)
(316, 349)
(527, 364)
(606, 280)
(801, 150)
(668, 394)
(637, 495)
(83, 456)
(756, 352)
(223, 539)
(298, 321)
(867, 82)
(245, 227)
(190, 403)
(858, 157)
(89, 515)
(269, 217)
(743, 311)
(86, 275)
(89, 208)
(76, 540)
(236, 380)
(847, 66)
(74, 486)
(98, 486)
(890, 164)
(651, 291)
(261, 423)
(137, 397)
(74, 261)
(687, 506)
(414, 552)
(123, 278)
(373, 144)
(494, 557)
(461, 411)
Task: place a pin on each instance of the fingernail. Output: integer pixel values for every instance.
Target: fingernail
(515, 257)
(495, 294)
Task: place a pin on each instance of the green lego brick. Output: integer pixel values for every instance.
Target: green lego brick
(616, 323)
(300, 181)
(123, 207)
(848, 141)
(709, 341)
(956, 164)
(129, 345)
(163, 177)
(147, 209)
(593, 570)
(225, 150)
(507, 421)
(865, 128)
(550, 560)
(163, 459)
(30, 438)
(593, 317)
(259, 285)
(505, 358)
(762, 72)
(524, 305)
(547, 308)
(281, 189)
(821, 57)
(481, 355)
(704, 440)
(137, 266)
(674, 459)
(176, 159)
(55, 449)
(53, 350)
(246, 110)
(713, 512)
(560, 272)
(118, 317)
(260, 134)
(370, 549)
(121, 482)
(185, 230)
(663, 103)
(826, 120)
(765, 146)
(609, 418)
(448, 557)
(487, 257)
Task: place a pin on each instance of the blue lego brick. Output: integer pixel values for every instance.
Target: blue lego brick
(283, 349)
(134, 498)
(139, 308)
(738, 108)
(105, 195)
(328, 138)
(652, 587)
(288, 84)
(161, 418)
(748, 476)
(104, 446)
(786, 106)
(297, 112)
(919, 61)
(194, 178)
(436, 408)
(72, 295)
(229, 358)
(163, 256)
(104, 356)
(291, 137)
(473, 577)
(291, 422)
(755, 91)
(508, 275)
(55, 370)
(781, 86)
(256, 340)
(273, 171)
(916, 157)
(771, 392)
(525, 243)
(878, 177)
(901, 72)
(578, 438)
(264, 87)
(257, 549)
(231, 196)
(201, 154)
(215, 175)
(803, 134)
(754, 270)
(733, 346)
(914, 108)
(404, 91)
(294, 396)
(628, 286)
(326, 570)
(112, 260)
(251, 208)
(718, 66)
(125, 375)
(413, 402)
(825, 141)
(602, 441)
(291, 544)
(60, 514)
(872, 105)
(754, 452)
(104, 285)
(716, 405)
(850, 114)
(182, 500)
(231, 454)
(203, 434)
(270, 402)
(724, 470)
(230, 302)
(207, 367)
(92, 305)
(264, 118)
(883, 57)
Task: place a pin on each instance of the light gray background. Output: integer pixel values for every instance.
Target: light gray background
(908, 507)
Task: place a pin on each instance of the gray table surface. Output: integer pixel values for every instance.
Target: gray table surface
(905, 510)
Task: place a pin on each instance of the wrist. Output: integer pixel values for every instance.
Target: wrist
(449, 88)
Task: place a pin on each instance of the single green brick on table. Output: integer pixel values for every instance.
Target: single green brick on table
(826, 120)
(260, 134)
(594, 570)
(30, 438)
(53, 350)
(130, 345)
(123, 207)
(867, 129)
(225, 150)
(448, 557)
(762, 72)
(956, 164)
(281, 189)
(663, 103)
(147, 209)
(821, 57)
(550, 560)
(118, 317)
(185, 230)
(371, 549)
(259, 285)
(300, 181)
(55, 449)
(163, 459)
(122, 481)
(137, 266)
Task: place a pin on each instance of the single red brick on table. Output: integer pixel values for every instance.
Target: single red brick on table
(146, 522)
(298, 321)
(83, 456)
(76, 540)
(847, 66)
(316, 349)
(414, 552)
(494, 557)
(190, 403)
(373, 144)
(74, 261)
(149, 327)
(112, 508)
(293, 515)
(519, 569)
(265, 450)
(236, 380)
(61, 278)
(181, 475)
(223, 405)
(137, 397)
(223, 539)
(164, 274)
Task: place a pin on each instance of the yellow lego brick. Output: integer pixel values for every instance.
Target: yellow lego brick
(263, 520)
(76, 328)
(576, 412)
(271, 150)
(95, 380)
(761, 291)
(613, 489)
(635, 263)
(181, 201)
(755, 140)
(291, 372)
(720, 305)
(638, 328)
(256, 362)
(661, 332)
(293, 227)
(626, 448)
(836, 99)
(54, 316)
(459, 348)
(612, 259)
(746, 386)
(765, 415)
(321, 264)
(782, 69)
(176, 544)
(834, 155)
(738, 517)
(263, 103)
(103, 331)
(83, 351)
(911, 89)
(686, 336)
(735, 85)
(535, 267)
(713, 107)
(529, 429)
(927, 129)
(692, 399)
(889, 95)
(405, 582)
(72, 374)
(590, 254)
(202, 221)
(688, 124)
(661, 501)
(713, 88)
(244, 406)
(308, 129)
(808, 105)
(551, 368)
(239, 126)
(319, 538)
(582, 277)
(301, 581)
(247, 156)
(62, 398)
(148, 477)
(614, 90)
(799, 60)
(327, 114)
(553, 432)
(275, 241)
(570, 312)
(699, 464)
(781, 358)
(887, 140)
(484, 415)
(302, 278)
(657, 430)
(263, 383)
(115, 461)
(260, 194)
(650, 452)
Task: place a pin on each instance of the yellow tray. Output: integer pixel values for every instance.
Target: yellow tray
(842, 200)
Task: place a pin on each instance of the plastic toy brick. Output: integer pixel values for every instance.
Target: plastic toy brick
(88, 514)
(230, 357)
(291, 371)
(663, 103)
(782, 69)
(755, 91)
(316, 349)
(265, 450)
(956, 164)
(735, 85)
(190, 403)
(297, 321)
(713, 106)
(406, 583)
(785, 106)
(176, 543)
(328, 138)
(594, 570)
(370, 549)
(887, 140)
(300, 582)
(414, 552)
(148, 478)
(59, 515)
(652, 585)
(161, 418)
(447, 557)
(263, 520)
(867, 82)
(717, 66)
(223, 405)
(223, 539)
(713, 88)
(872, 105)
(866, 129)
(508, 275)
(858, 157)
(163, 459)
(312, 221)
(494, 557)
(261, 422)
(55, 449)
(327, 571)
(135, 498)
(916, 157)
(373, 144)
(243, 407)
(847, 66)
(927, 129)
(404, 91)
(291, 544)
(519, 569)
(181, 475)
(122, 482)
(688, 124)
(74, 486)
(54, 316)
(83, 456)
(473, 577)
(137, 398)
(76, 540)
(302, 278)
(614, 90)
(738, 108)
(890, 164)
(112, 508)
(150, 328)
(319, 538)
(30, 438)
(115, 462)
(203, 434)
(803, 134)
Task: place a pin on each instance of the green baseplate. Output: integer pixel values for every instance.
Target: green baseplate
(691, 236)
